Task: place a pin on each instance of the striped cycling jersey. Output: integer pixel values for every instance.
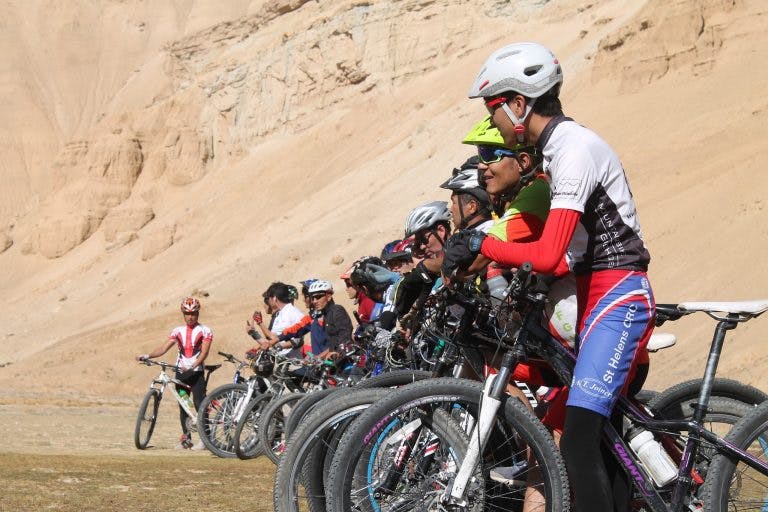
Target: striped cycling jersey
(587, 176)
(189, 341)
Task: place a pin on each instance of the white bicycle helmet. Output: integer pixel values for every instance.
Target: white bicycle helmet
(426, 216)
(320, 286)
(529, 69)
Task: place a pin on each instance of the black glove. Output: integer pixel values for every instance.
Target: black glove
(461, 249)
(410, 287)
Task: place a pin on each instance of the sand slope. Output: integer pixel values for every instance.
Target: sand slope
(153, 153)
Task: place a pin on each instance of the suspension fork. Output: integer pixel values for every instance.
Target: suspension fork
(412, 434)
(495, 386)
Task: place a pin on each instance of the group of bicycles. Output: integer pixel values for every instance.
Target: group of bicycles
(427, 424)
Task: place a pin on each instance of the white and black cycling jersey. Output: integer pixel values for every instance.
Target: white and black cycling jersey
(587, 176)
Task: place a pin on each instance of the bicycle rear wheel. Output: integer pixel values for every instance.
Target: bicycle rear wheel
(732, 485)
(145, 423)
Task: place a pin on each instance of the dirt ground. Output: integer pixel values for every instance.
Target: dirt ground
(83, 458)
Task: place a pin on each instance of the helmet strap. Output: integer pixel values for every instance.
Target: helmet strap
(519, 128)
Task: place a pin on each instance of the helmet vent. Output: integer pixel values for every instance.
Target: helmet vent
(532, 70)
(504, 55)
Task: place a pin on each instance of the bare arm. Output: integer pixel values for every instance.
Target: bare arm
(162, 349)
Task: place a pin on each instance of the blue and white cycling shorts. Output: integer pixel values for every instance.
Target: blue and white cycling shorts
(616, 320)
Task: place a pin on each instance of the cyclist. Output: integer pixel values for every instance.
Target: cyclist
(400, 259)
(430, 226)
(470, 203)
(279, 298)
(193, 340)
(593, 222)
(366, 307)
(330, 325)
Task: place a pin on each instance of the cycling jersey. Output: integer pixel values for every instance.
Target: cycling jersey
(587, 176)
(523, 220)
(189, 341)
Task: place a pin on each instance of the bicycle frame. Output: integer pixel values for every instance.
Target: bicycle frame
(562, 361)
(163, 380)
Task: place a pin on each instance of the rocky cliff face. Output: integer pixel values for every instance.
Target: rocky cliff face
(158, 150)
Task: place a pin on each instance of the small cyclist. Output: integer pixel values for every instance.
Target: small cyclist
(279, 298)
(593, 222)
(328, 324)
(193, 341)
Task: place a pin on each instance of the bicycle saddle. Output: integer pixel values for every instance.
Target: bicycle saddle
(750, 307)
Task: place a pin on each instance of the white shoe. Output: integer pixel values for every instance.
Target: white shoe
(510, 475)
(199, 446)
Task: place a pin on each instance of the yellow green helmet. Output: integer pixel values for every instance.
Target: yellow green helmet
(484, 133)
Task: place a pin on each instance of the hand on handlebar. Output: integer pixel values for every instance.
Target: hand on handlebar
(142, 357)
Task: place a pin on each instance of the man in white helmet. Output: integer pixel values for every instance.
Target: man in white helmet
(593, 222)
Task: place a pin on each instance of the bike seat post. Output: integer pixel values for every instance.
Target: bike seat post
(725, 324)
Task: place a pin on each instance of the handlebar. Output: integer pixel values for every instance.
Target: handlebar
(231, 358)
(163, 364)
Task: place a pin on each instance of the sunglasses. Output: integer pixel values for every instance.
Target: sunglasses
(316, 296)
(492, 154)
(422, 238)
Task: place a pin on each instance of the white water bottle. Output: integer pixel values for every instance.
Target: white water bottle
(496, 285)
(653, 456)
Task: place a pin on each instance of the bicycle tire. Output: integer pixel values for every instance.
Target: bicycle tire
(302, 464)
(216, 422)
(394, 378)
(271, 431)
(145, 425)
(304, 406)
(247, 445)
(731, 483)
(355, 465)
(676, 401)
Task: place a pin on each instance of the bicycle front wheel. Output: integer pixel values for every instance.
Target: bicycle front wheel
(731, 484)
(217, 419)
(247, 445)
(271, 430)
(401, 454)
(145, 423)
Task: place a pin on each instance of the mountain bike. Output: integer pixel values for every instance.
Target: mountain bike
(369, 472)
(150, 405)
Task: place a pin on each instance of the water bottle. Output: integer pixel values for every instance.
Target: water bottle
(496, 285)
(653, 456)
(187, 399)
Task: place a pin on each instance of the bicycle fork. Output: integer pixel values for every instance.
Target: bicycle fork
(493, 390)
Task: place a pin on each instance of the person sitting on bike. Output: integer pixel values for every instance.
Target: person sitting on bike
(400, 259)
(592, 220)
(330, 325)
(305, 292)
(470, 203)
(279, 297)
(365, 305)
(193, 341)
